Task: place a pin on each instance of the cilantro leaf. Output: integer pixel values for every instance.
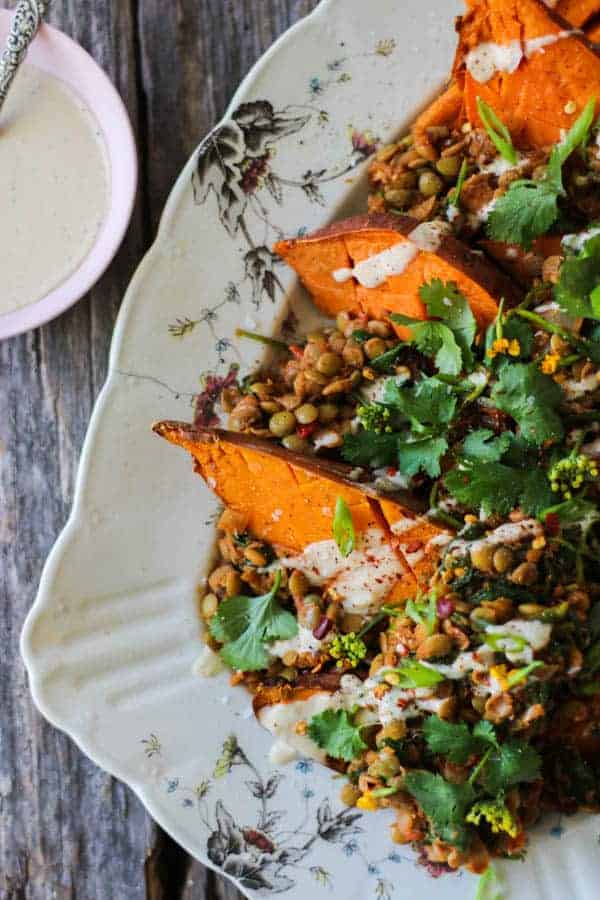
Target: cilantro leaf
(496, 488)
(530, 208)
(527, 210)
(483, 485)
(449, 739)
(244, 624)
(445, 302)
(531, 398)
(510, 763)
(576, 292)
(424, 454)
(343, 528)
(482, 444)
(445, 805)
(436, 340)
(485, 731)
(335, 732)
(428, 403)
(423, 611)
(370, 449)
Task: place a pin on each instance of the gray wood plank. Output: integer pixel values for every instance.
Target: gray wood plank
(67, 830)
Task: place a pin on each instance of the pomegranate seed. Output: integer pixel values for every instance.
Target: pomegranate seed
(323, 628)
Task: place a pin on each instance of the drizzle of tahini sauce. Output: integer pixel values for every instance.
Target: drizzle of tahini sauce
(488, 58)
(376, 269)
(363, 579)
(54, 181)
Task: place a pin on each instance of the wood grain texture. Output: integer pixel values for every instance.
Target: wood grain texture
(67, 830)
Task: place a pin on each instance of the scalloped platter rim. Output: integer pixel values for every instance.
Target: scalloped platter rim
(111, 641)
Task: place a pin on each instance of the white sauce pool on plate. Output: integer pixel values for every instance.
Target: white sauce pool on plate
(54, 186)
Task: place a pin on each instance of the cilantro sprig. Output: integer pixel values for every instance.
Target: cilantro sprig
(578, 288)
(446, 805)
(245, 624)
(335, 732)
(495, 487)
(532, 399)
(530, 208)
(448, 339)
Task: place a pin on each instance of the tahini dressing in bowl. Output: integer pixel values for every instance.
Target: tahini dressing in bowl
(54, 186)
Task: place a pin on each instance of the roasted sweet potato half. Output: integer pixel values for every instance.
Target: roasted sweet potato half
(577, 12)
(526, 61)
(289, 499)
(330, 263)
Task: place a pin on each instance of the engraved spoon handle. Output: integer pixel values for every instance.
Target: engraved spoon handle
(26, 21)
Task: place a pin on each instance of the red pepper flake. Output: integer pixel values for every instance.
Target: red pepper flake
(392, 470)
(297, 350)
(552, 524)
(305, 431)
(414, 546)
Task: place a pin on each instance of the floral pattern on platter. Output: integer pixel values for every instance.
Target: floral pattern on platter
(236, 166)
(269, 854)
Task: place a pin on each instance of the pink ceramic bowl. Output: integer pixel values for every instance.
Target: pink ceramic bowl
(53, 52)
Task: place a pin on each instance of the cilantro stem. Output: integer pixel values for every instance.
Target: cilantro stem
(569, 360)
(480, 765)
(479, 389)
(261, 339)
(441, 516)
(552, 328)
(384, 791)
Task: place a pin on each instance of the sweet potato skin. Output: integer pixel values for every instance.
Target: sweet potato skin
(531, 100)
(350, 241)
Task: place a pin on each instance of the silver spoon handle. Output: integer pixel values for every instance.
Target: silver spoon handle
(26, 21)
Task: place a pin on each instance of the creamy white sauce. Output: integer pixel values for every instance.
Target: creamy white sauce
(537, 634)
(577, 242)
(478, 660)
(281, 720)
(282, 753)
(488, 58)
(535, 45)
(499, 166)
(363, 579)
(428, 236)
(303, 642)
(54, 183)
(390, 483)
(372, 272)
(574, 388)
(452, 212)
(208, 663)
(509, 533)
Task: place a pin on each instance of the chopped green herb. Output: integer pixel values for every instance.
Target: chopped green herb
(428, 403)
(445, 301)
(370, 449)
(436, 340)
(445, 805)
(454, 195)
(497, 488)
(482, 444)
(245, 624)
(343, 528)
(423, 611)
(497, 132)
(452, 740)
(532, 399)
(413, 674)
(577, 289)
(424, 454)
(530, 208)
(334, 731)
(519, 675)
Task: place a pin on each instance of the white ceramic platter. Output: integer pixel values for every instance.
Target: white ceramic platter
(114, 633)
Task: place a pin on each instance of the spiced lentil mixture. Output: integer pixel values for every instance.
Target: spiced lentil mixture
(472, 707)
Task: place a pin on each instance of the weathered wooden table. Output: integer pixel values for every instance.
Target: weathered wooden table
(68, 830)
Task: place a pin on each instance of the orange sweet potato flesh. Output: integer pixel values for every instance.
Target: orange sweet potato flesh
(593, 33)
(531, 100)
(351, 241)
(421, 542)
(289, 499)
(577, 12)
